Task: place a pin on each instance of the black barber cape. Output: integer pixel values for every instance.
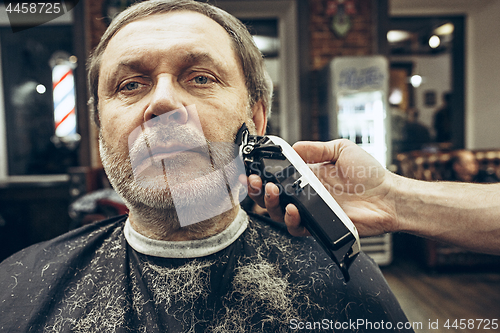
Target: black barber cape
(253, 277)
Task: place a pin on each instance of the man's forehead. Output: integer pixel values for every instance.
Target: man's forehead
(186, 28)
(181, 21)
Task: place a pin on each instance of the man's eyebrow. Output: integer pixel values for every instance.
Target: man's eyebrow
(124, 66)
(199, 58)
(135, 65)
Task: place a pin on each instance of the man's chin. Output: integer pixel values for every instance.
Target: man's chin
(193, 200)
(161, 174)
(151, 195)
(187, 192)
(151, 182)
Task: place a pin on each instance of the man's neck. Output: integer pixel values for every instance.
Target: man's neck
(164, 225)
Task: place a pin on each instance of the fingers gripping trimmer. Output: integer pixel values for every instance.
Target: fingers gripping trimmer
(274, 160)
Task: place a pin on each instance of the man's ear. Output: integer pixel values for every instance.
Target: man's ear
(259, 117)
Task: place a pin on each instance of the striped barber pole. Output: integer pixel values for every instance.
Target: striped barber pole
(64, 100)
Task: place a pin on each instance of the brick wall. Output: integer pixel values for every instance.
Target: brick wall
(324, 44)
(95, 22)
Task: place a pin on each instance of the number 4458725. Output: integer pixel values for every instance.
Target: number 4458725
(34, 7)
(462, 324)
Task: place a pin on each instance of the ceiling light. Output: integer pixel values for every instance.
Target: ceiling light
(41, 89)
(445, 29)
(434, 41)
(395, 36)
(396, 97)
(416, 81)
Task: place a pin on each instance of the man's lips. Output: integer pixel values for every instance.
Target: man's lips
(146, 157)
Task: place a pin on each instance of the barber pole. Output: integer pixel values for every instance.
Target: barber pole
(64, 100)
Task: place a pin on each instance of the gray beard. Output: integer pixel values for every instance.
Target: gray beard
(189, 196)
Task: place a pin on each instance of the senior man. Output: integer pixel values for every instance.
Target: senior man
(172, 82)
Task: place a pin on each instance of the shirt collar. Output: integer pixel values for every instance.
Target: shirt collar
(187, 249)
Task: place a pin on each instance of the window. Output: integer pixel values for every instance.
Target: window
(29, 58)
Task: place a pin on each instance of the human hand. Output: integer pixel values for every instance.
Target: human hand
(360, 185)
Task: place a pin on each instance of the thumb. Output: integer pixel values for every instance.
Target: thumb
(318, 152)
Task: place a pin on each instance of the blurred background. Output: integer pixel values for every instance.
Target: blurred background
(413, 82)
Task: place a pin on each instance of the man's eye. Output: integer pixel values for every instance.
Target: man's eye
(131, 86)
(201, 80)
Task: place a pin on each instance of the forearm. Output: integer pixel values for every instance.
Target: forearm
(467, 215)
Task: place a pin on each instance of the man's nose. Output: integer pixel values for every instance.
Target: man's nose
(166, 101)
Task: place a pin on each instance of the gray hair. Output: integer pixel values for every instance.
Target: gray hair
(257, 80)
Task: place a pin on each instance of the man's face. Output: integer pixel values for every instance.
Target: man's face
(180, 68)
(467, 166)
